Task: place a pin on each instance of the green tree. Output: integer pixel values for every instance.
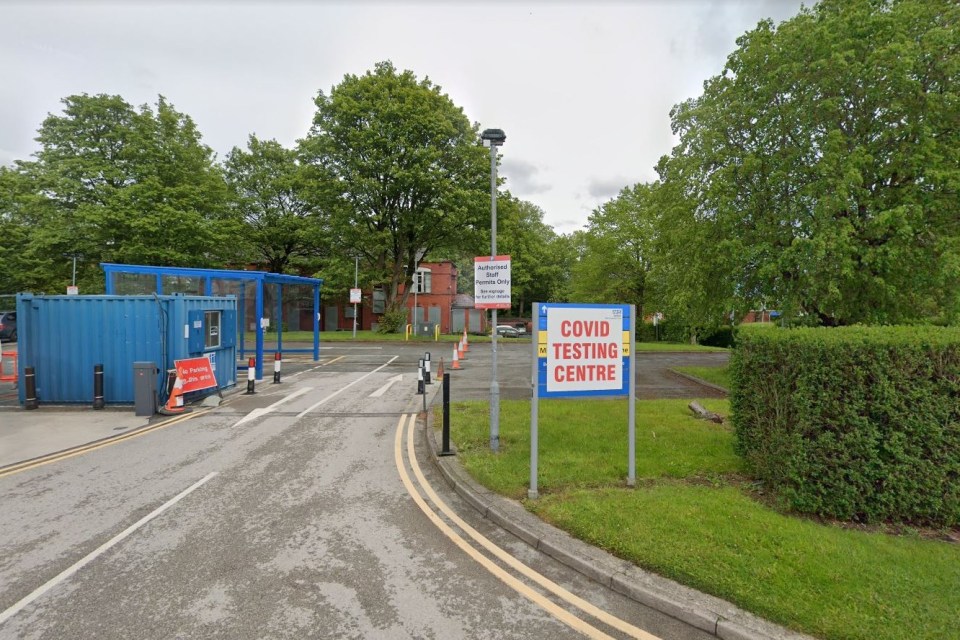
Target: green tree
(616, 250)
(534, 257)
(21, 211)
(819, 172)
(397, 168)
(114, 184)
(267, 184)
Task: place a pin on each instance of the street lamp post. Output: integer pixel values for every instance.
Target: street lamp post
(356, 271)
(416, 287)
(494, 138)
(73, 278)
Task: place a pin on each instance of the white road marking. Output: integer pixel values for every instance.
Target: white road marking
(345, 387)
(256, 413)
(382, 390)
(53, 582)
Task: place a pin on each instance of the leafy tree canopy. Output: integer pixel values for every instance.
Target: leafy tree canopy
(397, 167)
(821, 168)
(267, 184)
(116, 184)
(616, 250)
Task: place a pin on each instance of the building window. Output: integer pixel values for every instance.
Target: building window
(211, 322)
(379, 300)
(422, 281)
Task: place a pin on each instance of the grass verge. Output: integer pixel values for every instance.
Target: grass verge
(692, 519)
(719, 376)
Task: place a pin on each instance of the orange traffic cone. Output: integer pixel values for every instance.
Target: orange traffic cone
(175, 401)
(460, 348)
(466, 343)
(456, 359)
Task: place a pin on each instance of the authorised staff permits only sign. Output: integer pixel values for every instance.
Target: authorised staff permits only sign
(491, 282)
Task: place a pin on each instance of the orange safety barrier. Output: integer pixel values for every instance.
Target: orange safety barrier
(8, 367)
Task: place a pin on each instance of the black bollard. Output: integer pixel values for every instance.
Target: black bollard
(98, 402)
(420, 389)
(30, 387)
(446, 417)
(276, 367)
(426, 370)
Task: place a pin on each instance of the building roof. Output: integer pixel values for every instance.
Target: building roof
(463, 301)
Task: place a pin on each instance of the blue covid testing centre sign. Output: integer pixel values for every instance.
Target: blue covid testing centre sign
(582, 349)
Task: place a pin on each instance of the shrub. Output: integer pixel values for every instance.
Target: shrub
(646, 332)
(856, 423)
(393, 320)
(720, 337)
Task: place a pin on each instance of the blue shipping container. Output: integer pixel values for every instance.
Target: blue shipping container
(63, 337)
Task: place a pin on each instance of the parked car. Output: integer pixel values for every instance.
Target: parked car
(506, 331)
(8, 326)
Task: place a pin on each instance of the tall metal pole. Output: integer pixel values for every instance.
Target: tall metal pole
(74, 282)
(416, 286)
(356, 269)
(494, 385)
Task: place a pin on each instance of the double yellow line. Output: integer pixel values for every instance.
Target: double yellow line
(574, 622)
(98, 444)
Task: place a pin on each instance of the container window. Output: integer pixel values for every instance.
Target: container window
(211, 321)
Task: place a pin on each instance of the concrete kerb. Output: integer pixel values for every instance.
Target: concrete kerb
(699, 381)
(705, 612)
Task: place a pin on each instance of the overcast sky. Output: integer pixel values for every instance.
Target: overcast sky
(583, 90)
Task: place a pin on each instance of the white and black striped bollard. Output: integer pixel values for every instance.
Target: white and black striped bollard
(251, 375)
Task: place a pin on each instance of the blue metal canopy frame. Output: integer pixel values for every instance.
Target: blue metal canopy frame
(259, 278)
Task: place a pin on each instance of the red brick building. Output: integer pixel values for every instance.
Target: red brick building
(434, 294)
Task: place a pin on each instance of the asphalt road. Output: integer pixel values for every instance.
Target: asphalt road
(291, 513)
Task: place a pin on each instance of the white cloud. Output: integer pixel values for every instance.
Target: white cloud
(522, 178)
(582, 90)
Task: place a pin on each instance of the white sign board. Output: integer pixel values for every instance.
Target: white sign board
(354, 296)
(72, 290)
(584, 349)
(491, 282)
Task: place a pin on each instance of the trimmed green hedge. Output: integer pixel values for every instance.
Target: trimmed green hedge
(856, 423)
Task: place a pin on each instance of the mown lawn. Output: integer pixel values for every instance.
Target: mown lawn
(693, 518)
(719, 376)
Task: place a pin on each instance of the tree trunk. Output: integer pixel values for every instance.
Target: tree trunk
(703, 414)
